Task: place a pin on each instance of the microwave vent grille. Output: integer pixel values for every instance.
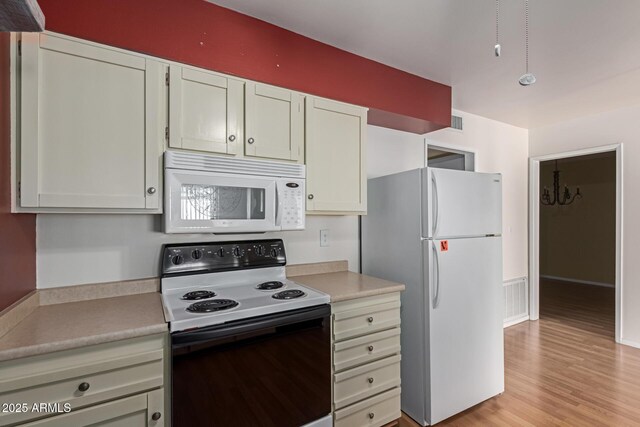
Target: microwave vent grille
(208, 163)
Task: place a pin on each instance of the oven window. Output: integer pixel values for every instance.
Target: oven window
(275, 376)
(212, 202)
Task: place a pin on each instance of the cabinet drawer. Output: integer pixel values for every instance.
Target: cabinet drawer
(373, 412)
(365, 349)
(365, 381)
(365, 320)
(106, 380)
(134, 411)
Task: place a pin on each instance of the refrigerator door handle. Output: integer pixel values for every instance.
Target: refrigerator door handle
(436, 208)
(436, 284)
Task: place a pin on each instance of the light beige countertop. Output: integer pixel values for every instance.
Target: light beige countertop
(346, 285)
(68, 325)
(78, 316)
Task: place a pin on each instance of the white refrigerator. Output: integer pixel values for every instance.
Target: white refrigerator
(439, 232)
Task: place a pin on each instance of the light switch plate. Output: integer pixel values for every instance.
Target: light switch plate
(324, 238)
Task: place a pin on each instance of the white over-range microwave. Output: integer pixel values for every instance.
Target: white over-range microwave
(209, 194)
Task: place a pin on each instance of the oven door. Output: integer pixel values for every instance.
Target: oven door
(207, 202)
(268, 371)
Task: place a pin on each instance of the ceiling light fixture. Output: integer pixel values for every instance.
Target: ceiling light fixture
(497, 48)
(567, 197)
(527, 78)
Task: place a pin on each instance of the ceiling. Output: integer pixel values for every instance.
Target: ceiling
(584, 53)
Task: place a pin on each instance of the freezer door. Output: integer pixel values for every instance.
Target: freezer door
(461, 204)
(465, 339)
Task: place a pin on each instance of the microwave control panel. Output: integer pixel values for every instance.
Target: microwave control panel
(291, 193)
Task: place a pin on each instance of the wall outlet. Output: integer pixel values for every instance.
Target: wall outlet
(324, 238)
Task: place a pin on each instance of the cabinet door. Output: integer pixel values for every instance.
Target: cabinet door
(274, 123)
(205, 111)
(134, 411)
(335, 157)
(92, 126)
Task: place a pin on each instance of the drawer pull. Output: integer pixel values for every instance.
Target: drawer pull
(370, 348)
(370, 319)
(370, 379)
(83, 387)
(156, 416)
(371, 415)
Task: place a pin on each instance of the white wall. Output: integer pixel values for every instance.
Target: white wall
(78, 249)
(502, 148)
(612, 127)
(390, 151)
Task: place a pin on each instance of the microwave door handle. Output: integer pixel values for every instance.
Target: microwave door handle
(279, 202)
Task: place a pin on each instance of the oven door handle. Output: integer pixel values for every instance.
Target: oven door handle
(212, 333)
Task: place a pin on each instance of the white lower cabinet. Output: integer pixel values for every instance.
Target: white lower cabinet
(366, 361)
(113, 384)
(374, 412)
(139, 410)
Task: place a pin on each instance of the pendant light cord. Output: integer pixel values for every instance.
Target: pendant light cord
(497, 21)
(526, 34)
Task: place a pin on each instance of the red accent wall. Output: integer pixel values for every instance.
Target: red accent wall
(17, 232)
(200, 33)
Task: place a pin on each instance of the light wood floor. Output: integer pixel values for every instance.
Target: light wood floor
(564, 369)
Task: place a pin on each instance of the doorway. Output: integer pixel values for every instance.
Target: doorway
(577, 241)
(575, 238)
(450, 158)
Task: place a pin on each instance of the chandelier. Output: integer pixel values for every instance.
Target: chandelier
(567, 197)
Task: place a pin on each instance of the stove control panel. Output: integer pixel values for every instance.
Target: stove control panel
(222, 256)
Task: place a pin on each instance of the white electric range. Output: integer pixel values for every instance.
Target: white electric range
(240, 331)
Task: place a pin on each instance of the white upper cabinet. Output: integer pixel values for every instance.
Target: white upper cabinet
(335, 157)
(206, 111)
(93, 123)
(92, 127)
(274, 123)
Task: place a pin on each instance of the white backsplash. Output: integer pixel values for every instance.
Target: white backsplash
(78, 249)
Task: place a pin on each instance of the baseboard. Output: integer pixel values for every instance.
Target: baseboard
(515, 321)
(629, 343)
(582, 282)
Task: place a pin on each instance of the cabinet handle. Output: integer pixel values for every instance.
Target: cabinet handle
(371, 415)
(151, 190)
(83, 387)
(370, 348)
(251, 140)
(232, 138)
(370, 379)
(370, 319)
(310, 197)
(156, 416)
